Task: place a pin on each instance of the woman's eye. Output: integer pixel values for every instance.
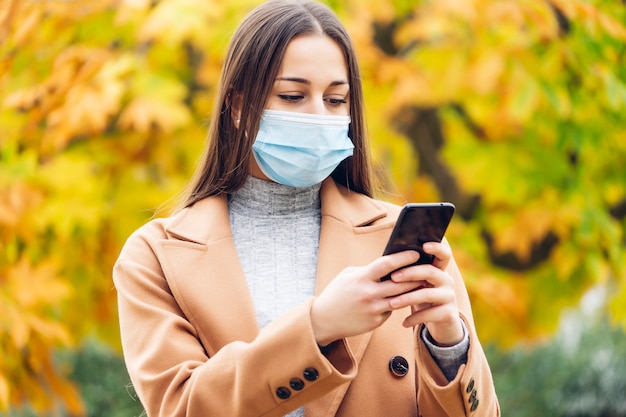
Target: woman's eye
(336, 101)
(290, 97)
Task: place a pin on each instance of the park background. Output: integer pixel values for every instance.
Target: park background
(512, 110)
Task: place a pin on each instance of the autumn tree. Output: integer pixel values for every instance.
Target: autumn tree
(511, 110)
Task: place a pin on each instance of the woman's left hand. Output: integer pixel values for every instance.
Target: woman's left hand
(434, 303)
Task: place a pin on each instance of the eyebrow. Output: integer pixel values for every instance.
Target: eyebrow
(307, 82)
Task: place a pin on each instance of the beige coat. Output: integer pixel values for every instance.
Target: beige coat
(193, 348)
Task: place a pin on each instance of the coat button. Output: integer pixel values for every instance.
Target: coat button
(472, 397)
(283, 393)
(470, 386)
(474, 404)
(311, 374)
(399, 366)
(296, 384)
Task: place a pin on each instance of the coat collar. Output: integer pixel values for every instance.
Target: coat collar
(207, 220)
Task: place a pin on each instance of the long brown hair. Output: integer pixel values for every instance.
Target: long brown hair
(252, 63)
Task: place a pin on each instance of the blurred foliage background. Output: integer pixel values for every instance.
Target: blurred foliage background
(513, 110)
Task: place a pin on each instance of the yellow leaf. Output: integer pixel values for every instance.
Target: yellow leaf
(68, 10)
(559, 99)
(618, 301)
(503, 298)
(92, 94)
(4, 393)
(79, 97)
(565, 260)
(67, 392)
(531, 225)
(481, 110)
(73, 187)
(141, 5)
(85, 110)
(436, 27)
(25, 99)
(19, 329)
(50, 331)
(438, 75)
(27, 23)
(541, 17)
(34, 287)
(15, 200)
(503, 12)
(175, 21)
(142, 114)
(522, 99)
(484, 72)
(612, 27)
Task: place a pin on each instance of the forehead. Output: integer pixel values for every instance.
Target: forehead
(316, 57)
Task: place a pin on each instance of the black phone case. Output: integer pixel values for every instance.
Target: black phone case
(417, 224)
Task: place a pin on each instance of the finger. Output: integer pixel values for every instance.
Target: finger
(429, 275)
(433, 314)
(389, 289)
(441, 251)
(423, 298)
(388, 263)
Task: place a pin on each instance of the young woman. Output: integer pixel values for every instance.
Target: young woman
(262, 296)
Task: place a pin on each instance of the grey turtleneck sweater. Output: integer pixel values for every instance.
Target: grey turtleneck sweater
(276, 229)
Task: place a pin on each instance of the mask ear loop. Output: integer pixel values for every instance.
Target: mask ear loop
(346, 162)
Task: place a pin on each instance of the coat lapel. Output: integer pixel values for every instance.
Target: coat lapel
(204, 273)
(343, 234)
(347, 239)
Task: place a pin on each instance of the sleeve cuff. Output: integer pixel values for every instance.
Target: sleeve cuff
(450, 358)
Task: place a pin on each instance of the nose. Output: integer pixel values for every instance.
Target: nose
(317, 106)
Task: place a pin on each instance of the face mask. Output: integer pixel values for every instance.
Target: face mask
(299, 149)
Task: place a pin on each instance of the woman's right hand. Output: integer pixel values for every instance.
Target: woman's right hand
(357, 301)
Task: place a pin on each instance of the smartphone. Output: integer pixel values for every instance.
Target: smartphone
(417, 224)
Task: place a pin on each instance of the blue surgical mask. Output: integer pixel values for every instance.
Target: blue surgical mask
(300, 149)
